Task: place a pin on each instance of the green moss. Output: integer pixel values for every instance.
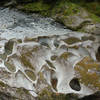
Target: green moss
(22, 91)
(2, 84)
(65, 8)
(93, 7)
(10, 66)
(65, 55)
(36, 48)
(50, 64)
(88, 71)
(25, 61)
(85, 38)
(46, 94)
(3, 56)
(9, 47)
(30, 74)
(94, 17)
(36, 7)
(72, 40)
(53, 57)
(30, 39)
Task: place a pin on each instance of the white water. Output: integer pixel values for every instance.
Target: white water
(14, 24)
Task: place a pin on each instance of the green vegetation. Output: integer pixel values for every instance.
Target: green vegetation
(88, 71)
(47, 94)
(30, 74)
(25, 61)
(85, 38)
(67, 12)
(72, 40)
(66, 8)
(54, 57)
(10, 66)
(93, 7)
(36, 7)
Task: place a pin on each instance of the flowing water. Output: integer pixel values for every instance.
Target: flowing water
(36, 52)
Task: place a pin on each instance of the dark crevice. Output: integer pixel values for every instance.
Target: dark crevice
(95, 96)
(75, 85)
(98, 54)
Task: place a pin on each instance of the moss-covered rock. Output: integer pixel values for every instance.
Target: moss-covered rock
(25, 61)
(72, 40)
(9, 47)
(30, 74)
(88, 70)
(10, 93)
(10, 66)
(47, 94)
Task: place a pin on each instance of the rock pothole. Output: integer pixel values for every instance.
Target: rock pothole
(75, 85)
